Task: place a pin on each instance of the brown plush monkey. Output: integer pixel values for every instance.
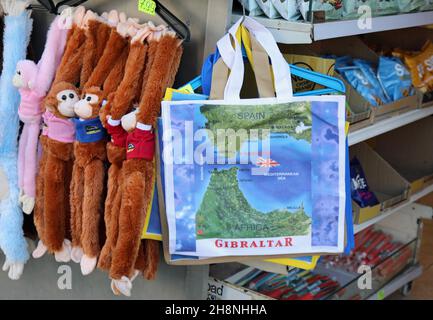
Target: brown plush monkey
(68, 71)
(117, 106)
(88, 178)
(90, 150)
(138, 170)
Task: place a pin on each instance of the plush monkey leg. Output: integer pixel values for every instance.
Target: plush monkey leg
(104, 262)
(151, 249)
(55, 203)
(76, 203)
(116, 156)
(94, 174)
(38, 213)
(131, 220)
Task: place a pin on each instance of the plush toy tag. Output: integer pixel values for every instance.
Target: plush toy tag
(147, 6)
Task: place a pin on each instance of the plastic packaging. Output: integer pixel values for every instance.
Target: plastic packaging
(385, 7)
(361, 193)
(268, 8)
(427, 6)
(410, 5)
(333, 8)
(355, 8)
(394, 78)
(370, 73)
(288, 9)
(421, 67)
(252, 7)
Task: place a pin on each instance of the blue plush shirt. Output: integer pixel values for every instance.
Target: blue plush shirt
(87, 131)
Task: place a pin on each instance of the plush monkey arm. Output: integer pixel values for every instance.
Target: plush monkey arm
(90, 54)
(51, 57)
(115, 46)
(150, 104)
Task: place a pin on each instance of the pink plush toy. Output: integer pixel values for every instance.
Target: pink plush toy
(33, 82)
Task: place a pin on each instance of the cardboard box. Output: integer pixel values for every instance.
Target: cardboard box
(383, 180)
(412, 39)
(410, 151)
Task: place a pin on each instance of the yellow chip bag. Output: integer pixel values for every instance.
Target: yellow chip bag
(421, 67)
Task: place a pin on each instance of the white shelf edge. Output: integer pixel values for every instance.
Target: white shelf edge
(415, 197)
(337, 29)
(398, 282)
(286, 32)
(388, 124)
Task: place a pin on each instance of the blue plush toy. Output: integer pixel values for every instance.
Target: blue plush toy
(18, 26)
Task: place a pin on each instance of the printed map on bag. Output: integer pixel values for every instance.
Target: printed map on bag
(244, 179)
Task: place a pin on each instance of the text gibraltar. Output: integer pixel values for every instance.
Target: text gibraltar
(245, 244)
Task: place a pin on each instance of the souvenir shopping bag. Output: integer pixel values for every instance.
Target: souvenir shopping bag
(257, 177)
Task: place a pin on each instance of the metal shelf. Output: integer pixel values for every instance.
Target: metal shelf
(337, 29)
(388, 124)
(397, 283)
(298, 32)
(415, 197)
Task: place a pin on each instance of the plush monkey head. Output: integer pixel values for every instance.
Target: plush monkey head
(90, 104)
(61, 100)
(25, 75)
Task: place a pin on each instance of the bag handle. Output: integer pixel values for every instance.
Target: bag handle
(233, 59)
(259, 60)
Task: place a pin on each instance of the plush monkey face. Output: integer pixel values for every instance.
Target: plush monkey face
(18, 80)
(66, 100)
(88, 107)
(25, 74)
(61, 99)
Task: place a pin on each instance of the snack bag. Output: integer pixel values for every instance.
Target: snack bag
(427, 6)
(353, 9)
(288, 9)
(421, 67)
(410, 5)
(333, 9)
(384, 7)
(361, 193)
(252, 7)
(268, 8)
(370, 74)
(394, 78)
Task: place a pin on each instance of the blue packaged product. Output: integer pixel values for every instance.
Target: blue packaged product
(360, 190)
(395, 79)
(370, 73)
(356, 78)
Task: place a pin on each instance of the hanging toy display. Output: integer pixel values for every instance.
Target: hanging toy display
(17, 30)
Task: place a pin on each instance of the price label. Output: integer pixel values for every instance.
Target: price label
(147, 6)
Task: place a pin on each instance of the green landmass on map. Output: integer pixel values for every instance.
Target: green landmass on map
(279, 118)
(226, 213)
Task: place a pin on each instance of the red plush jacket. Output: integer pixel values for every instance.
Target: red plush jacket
(140, 144)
